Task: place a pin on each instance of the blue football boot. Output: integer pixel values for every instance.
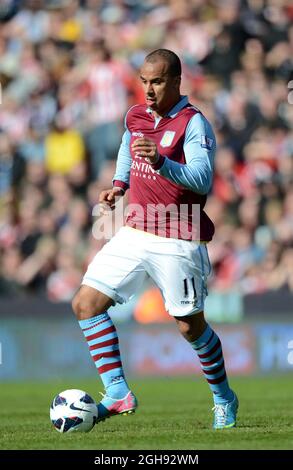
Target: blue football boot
(225, 414)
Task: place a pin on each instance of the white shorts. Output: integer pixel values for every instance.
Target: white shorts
(178, 267)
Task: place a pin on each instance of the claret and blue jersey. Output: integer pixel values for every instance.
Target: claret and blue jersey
(182, 176)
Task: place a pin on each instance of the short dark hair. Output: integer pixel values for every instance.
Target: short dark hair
(173, 61)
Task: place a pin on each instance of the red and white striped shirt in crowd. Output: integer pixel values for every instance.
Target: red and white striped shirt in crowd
(108, 94)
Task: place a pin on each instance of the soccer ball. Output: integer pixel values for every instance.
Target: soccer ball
(73, 410)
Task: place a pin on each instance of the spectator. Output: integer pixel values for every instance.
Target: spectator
(64, 149)
(68, 73)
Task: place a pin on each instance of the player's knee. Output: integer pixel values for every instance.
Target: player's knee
(76, 305)
(192, 327)
(81, 307)
(187, 331)
(89, 302)
(84, 307)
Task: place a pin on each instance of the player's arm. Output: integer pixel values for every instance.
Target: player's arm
(123, 165)
(122, 173)
(199, 149)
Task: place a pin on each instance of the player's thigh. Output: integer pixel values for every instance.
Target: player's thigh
(117, 270)
(181, 274)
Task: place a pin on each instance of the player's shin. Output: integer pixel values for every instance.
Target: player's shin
(101, 336)
(209, 350)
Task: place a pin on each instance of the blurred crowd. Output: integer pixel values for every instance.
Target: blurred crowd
(68, 73)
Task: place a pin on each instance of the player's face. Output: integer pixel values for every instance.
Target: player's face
(161, 89)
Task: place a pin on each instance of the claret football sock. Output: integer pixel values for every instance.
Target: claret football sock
(101, 336)
(209, 350)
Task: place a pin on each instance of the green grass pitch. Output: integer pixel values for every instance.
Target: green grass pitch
(172, 414)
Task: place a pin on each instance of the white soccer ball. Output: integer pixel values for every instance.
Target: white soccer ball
(73, 411)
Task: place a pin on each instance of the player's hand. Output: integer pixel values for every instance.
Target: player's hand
(145, 148)
(108, 197)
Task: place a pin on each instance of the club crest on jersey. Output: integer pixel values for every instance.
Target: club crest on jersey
(167, 139)
(206, 142)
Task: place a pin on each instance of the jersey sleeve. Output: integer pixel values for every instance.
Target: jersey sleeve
(122, 173)
(199, 149)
